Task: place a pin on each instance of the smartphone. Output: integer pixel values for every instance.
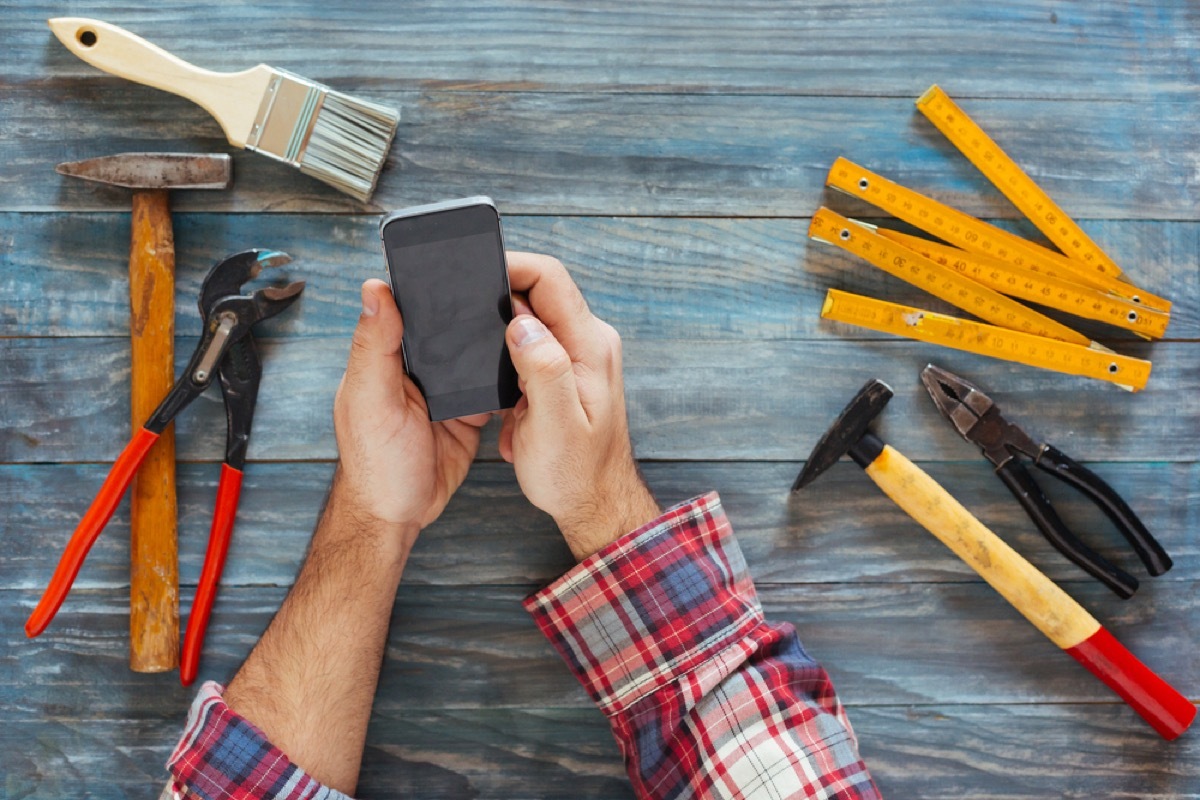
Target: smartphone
(450, 281)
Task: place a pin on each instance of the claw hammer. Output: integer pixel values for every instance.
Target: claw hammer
(1051, 610)
(154, 561)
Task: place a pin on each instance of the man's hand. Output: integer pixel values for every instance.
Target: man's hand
(568, 437)
(309, 682)
(396, 467)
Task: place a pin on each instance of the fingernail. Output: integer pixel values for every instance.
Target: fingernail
(528, 330)
(520, 306)
(370, 304)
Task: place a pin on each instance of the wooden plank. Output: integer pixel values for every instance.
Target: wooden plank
(1018, 752)
(475, 647)
(447, 754)
(1012, 752)
(64, 400)
(929, 752)
(623, 154)
(110, 759)
(840, 530)
(1031, 49)
(695, 138)
(653, 278)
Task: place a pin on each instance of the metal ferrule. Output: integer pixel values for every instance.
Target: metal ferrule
(286, 117)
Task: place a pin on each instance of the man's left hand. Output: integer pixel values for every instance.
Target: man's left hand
(396, 467)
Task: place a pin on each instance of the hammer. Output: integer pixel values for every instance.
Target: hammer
(1039, 599)
(154, 573)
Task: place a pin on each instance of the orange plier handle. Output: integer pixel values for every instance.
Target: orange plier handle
(89, 528)
(228, 492)
(96, 518)
(225, 350)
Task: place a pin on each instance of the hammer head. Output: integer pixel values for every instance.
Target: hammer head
(155, 170)
(845, 432)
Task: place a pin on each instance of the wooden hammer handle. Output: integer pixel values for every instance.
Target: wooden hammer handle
(1039, 599)
(1053, 611)
(154, 568)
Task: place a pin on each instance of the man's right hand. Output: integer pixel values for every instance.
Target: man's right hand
(568, 436)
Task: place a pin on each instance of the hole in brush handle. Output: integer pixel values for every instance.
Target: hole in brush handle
(86, 37)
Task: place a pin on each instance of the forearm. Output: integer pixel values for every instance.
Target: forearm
(664, 629)
(309, 684)
(596, 524)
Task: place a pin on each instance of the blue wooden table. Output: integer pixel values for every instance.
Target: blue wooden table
(670, 153)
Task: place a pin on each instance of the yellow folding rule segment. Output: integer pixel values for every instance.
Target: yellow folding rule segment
(974, 235)
(940, 281)
(1046, 289)
(1009, 178)
(986, 340)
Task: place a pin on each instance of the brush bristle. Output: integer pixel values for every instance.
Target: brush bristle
(349, 144)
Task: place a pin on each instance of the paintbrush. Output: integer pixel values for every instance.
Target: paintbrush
(331, 136)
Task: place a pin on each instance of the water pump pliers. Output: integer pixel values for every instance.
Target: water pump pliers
(978, 420)
(226, 351)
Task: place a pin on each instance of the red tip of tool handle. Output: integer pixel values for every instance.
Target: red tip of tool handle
(88, 530)
(1167, 711)
(219, 535)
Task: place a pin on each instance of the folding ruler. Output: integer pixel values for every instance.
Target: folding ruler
(989, 269)
(986, 340)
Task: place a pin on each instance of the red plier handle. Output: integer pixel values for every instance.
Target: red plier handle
(226, 350)
(100, 512)
(89, 528)
(228, 492)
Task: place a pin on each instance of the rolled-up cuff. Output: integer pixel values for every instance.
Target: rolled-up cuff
(223, 755)
(651, 606)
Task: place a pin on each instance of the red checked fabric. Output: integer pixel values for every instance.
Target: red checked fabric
(706, 699)
(664, 630)
(222, 755)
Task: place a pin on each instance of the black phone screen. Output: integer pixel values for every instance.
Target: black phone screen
(450, 281)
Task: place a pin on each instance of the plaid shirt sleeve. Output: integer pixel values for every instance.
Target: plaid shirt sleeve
(222, 755)
(664, 630)
(706, 699)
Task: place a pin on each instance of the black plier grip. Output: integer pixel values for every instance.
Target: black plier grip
(1031, 497)
(978, 420)
(225, 351)
(1057, 463)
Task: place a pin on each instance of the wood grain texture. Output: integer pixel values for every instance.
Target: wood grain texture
(999, 752)
(60, 398)
(1005, 753)
(652, 278)
(622, 154)
(842, 529)
(670, 153)
(475, 647)
(153, 550)
(1032, 48)
(471, 690)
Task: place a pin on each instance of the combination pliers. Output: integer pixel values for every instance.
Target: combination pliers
(226, 351)
(977, 418)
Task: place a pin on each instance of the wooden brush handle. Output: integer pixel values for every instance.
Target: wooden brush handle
(1039, 599)
(232, 98)
(154, 562)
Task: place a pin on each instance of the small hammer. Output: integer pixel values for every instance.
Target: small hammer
(154, 573)
(1039, 599)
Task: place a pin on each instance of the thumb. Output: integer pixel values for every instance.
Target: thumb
(543, 366)
(377, 338)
